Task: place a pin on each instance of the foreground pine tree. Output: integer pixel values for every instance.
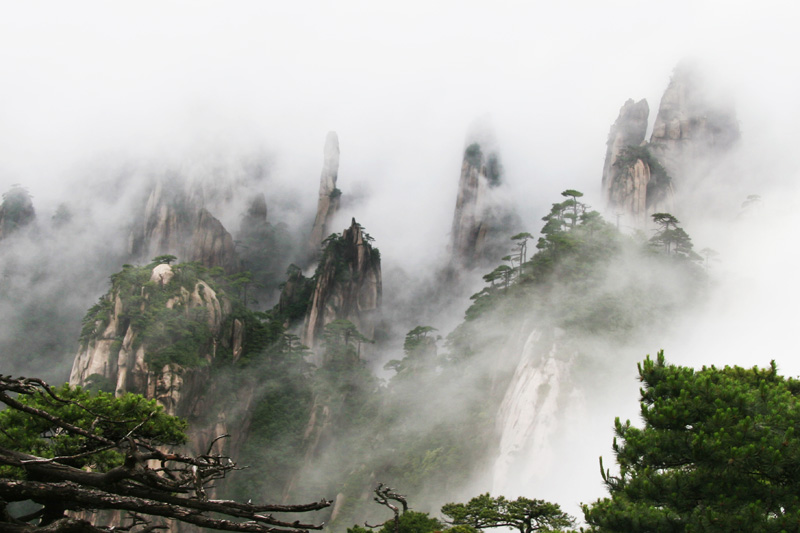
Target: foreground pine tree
(718, 452)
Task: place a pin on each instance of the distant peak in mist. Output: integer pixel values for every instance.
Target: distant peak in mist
(16, 211)
(481, 132)
(329, 196)
(694, 131)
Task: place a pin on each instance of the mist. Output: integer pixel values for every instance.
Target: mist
(99, 100)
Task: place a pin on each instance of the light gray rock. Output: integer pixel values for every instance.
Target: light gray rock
(483, 219)
(175, 224)
(328, 202)
(349, 287)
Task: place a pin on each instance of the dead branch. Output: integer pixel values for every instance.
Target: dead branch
(384, 495)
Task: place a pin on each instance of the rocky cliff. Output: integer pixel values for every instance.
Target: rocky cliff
(328, 202)
(626, 176)
(482, 221)
(16, 211)
(693, 126)
(531, 414)
(168, 332)
(348, 285)
(692, 131)
(629, 129)
(176, 223)
(156, 332)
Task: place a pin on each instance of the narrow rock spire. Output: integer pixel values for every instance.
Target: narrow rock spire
(328, 202)
(483, 217)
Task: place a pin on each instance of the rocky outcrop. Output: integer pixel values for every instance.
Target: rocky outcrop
(211, 244)
(328, 202)
(16, 211)
(348, 286)
(531, 414)
(692, 132)
(629, 129)
(637, 185)
(157, 341)
(176, 225)
(482, 221)
(693, 126)
(166, 333)
(628, 193)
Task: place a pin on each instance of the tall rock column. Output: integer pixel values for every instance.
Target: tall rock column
(481, 219)
(175, 224)
(348, 286)
(628, 130)
(328, 203)
(692, 127)
(691, 134)
(635, 185)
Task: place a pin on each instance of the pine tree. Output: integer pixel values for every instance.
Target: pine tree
(718, 452)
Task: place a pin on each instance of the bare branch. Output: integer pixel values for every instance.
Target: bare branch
(382, 495)
(74, 497)
(211, 446)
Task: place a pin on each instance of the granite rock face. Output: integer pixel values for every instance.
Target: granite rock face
(630, 128)
(176, 224)
(693, 132)
(118, 343)
(348, 286)
(329, 195)
(157, 334)
(693, 127)
(482, 221)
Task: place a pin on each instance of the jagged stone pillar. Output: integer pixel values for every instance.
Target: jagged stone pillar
(328, 202)
(349, 286)
(482, 221)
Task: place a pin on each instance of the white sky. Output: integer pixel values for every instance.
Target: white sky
(400, 82)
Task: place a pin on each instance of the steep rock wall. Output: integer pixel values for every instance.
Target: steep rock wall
(348, 286)
(176, 224)
(531, 414)
(629, 129)
(328, 202)
(625, 180)
(482, 221)
(692, 133)
(693, 127)
(157, 338)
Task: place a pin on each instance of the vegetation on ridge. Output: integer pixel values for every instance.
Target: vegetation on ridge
(163, 321)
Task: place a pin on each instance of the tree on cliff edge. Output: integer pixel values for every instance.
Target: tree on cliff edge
(67, 450)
